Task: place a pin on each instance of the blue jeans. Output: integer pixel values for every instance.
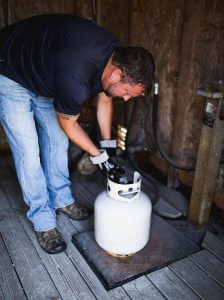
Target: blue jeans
(39, 148)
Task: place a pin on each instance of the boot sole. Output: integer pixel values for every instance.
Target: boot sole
(76, 219)
(58, 250)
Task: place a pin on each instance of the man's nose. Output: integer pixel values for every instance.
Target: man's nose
(126, 98)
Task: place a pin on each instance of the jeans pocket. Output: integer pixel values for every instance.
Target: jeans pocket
(11, 89)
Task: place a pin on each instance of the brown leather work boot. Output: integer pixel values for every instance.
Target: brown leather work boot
(51, 241)
(75, 211)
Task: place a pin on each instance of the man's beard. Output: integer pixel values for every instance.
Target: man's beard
(109, 91)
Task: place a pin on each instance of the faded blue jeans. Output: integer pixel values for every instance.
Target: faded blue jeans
(39, 148)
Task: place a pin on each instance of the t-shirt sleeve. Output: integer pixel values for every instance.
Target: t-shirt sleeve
(70, 94)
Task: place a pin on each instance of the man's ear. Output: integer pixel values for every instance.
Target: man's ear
(115, 75)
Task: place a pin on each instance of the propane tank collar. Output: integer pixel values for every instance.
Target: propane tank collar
(125, 192)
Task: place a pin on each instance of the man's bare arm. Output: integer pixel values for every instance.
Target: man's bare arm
(104, 115)
(76, 134)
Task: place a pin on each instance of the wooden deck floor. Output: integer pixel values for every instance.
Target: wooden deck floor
(26, 272)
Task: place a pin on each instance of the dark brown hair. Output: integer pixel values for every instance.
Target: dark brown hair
(137, 65)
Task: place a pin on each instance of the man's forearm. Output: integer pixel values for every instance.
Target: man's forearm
(77, 135)
(104, 115)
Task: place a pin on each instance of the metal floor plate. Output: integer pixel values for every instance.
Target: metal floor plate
(165, 246)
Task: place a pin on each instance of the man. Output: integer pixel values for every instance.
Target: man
(50, 65)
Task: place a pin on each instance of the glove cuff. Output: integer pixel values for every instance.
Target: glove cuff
(99, 159)
(108, 144)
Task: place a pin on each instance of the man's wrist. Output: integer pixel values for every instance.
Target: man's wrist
(102, 157)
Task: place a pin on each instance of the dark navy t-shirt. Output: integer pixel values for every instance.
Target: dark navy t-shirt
(57, 56)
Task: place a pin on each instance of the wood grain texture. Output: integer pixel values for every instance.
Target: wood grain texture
(33, 276)
(65, 276)
(61, 269)
(210, 264)
(198, 280)
(21, 9)
(142, 289)
(67, 228)
(170, 285)
(157, 26)
(214, 245)
(201, 60)
(10, 286)
(68, 276)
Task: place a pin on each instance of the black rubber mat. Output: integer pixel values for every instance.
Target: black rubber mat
(165, 246)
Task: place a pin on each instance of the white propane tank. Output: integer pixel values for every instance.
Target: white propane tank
(122, 217)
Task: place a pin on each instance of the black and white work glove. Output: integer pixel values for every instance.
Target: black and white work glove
(108, 166)
(110, 146)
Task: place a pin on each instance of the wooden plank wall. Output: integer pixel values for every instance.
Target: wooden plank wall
(157, 26)
(186, 39)
(201, 60)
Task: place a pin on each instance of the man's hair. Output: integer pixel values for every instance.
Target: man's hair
(137, 65)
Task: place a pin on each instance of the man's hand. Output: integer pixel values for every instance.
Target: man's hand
(108, 166)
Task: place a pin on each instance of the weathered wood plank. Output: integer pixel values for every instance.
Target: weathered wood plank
(210, 264)
(119, 294)
(7, 177)
(84, 197)
(61, 267)
(83, 225)
(65, 276)
(142, 289)
(73, 225)
(56, 277)
(10, 287)
(214, 245)
(27, 262)
(93, 184)
(91, 279)
(83, 194)
(133, 289)
(200, 282)
(10, 162)
(170, 285)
